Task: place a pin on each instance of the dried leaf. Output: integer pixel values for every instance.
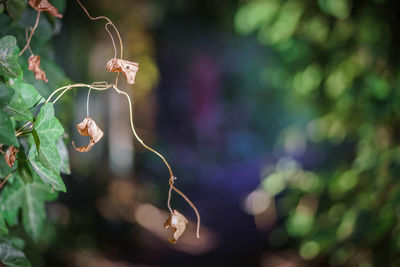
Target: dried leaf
(88, 128)
(178, 224)
(44, 5)
(128, 68)
(34, 65)
(10, 155)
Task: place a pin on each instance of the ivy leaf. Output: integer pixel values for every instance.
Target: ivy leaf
(43, 163)
(44, 155)
(7, 134)
(24, 171)
(63, 152)
(9, 66)
(6, 93)
(10, 210)
(19, 112)
(30, 198)
(3, 226)
(25, 94)
(47, 126)
(47, 131)
(10, 255)
(48, 175)
(25, 97)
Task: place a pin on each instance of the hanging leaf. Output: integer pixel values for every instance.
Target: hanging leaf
(10, 155)
(34, 66)
(10, 255)
(178, 224)
(88, 127)
(9, 66)
(44, 5)
(128, 68)
(30, 198)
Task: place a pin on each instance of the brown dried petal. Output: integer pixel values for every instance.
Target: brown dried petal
(34, 65)
(88, 128)
(128, 68)
(10, 155)
(44, 5)
(178, 224)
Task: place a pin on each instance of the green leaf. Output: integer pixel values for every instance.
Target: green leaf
(19, 112)
(48, 175)
(6, 93)
(10, 201)
(47, 126)
(45, 161)
(9, 66)
(63, 152)
(7, 132)
(30, 198)
(25, 94)
(47, 131)
(24, 171)
(15, 8)
(10, 255)
(44, 155)
(3, 226)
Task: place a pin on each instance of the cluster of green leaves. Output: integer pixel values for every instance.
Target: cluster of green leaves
(35, 176)
(337, 60)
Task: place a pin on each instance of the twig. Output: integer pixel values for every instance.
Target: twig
(32, 32)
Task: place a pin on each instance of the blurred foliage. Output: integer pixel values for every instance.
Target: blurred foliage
(338, 58)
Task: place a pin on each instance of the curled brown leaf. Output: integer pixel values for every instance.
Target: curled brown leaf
(88, 127)
(10, 155)
(34, 65)
(44, 5)
(128, 68)
(178, 224)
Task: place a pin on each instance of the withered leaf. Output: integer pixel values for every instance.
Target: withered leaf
(128, 68)
(44, 5)
(34, 65)
(88, 128)
(178, 224)
(10, 155)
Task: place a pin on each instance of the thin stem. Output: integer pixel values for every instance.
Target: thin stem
(171, 179)
(5, 180)
(32, 32)
(95, 86)
(26, 37)
(26, 124)
(87, 102)
(112, 39)
(24, 131)
(109, 22)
